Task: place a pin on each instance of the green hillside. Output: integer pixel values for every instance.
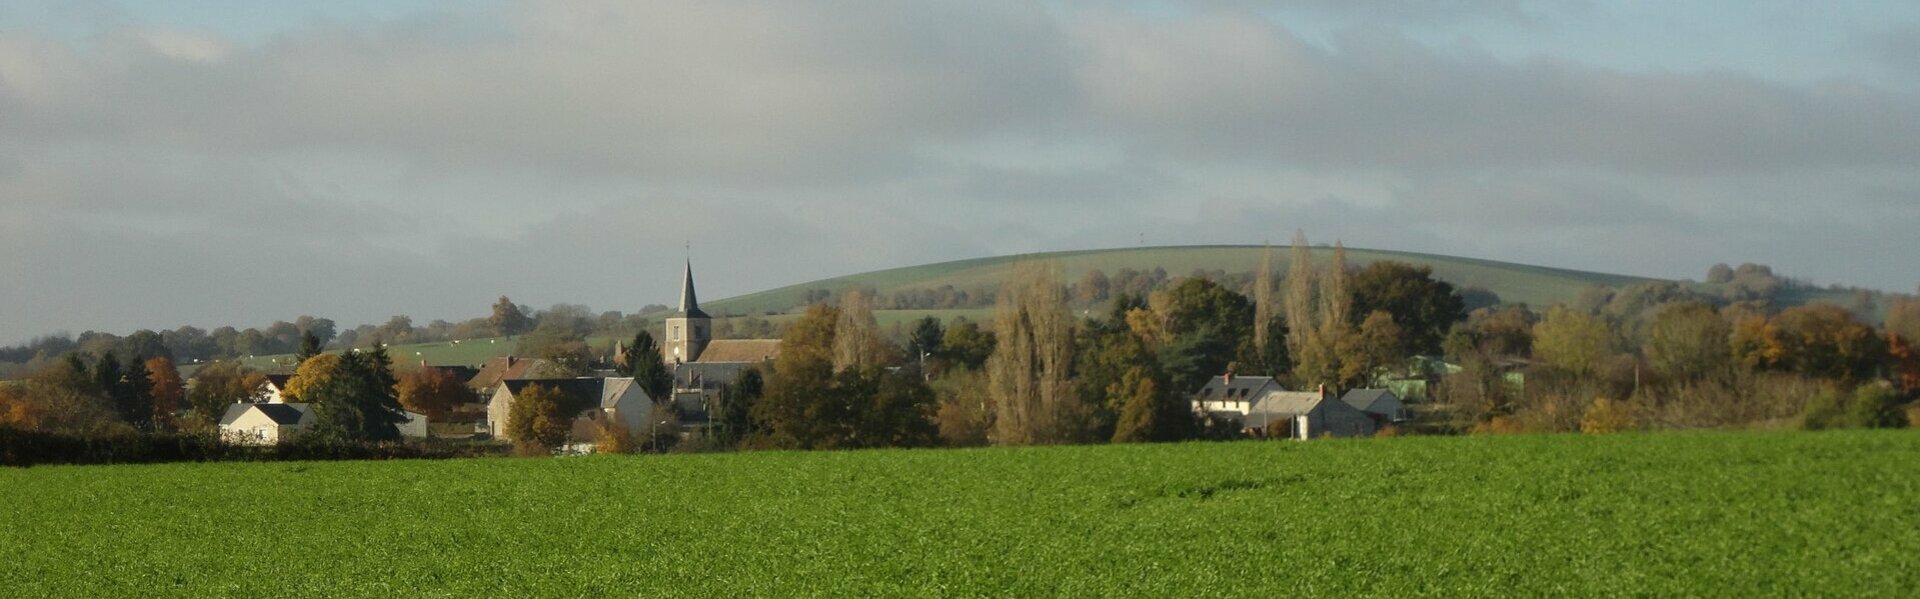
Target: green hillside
(1536, 285)
(1673, 514)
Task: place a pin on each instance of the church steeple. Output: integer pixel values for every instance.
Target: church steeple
(689, 329)
(689, 302)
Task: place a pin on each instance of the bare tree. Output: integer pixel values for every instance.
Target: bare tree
(857, 344)
(1034, 402)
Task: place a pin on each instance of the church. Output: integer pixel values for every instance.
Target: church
(700, 363)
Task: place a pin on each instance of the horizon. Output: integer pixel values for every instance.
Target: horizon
(197, 163)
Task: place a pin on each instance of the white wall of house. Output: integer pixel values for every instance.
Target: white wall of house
(255, 428)
(415, 426)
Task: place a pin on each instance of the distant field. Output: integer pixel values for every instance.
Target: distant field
(1689, 514)
(467, 352)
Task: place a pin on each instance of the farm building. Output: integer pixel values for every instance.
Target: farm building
(588, 399)
(1380, 404)
(1305, 415)
(1230, 396)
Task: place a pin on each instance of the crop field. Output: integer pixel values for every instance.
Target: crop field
(1718, 514)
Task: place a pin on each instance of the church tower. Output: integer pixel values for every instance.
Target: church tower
(689, 329)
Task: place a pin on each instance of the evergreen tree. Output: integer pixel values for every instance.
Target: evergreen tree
(309, 347)
(135, 395)
(648, 367)
(733, 416)
(357, 401)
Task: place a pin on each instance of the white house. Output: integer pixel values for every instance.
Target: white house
(616, 397)
(263, 423)
(270, 423)
(1230, 396)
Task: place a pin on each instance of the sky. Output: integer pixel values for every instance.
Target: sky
(235, 163)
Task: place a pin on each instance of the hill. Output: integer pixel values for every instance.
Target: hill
(1685, 514)
(1536, 285)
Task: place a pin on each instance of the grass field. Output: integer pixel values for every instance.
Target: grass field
(1716, 514)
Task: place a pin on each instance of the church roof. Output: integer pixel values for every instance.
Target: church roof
(689, 303)
(740, 350)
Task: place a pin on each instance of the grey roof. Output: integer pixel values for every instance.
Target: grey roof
(581, 393)
(1286, 403)
(705, 374)
(285, 414)
(1364, 399)
(1240, 387)
(689, 302)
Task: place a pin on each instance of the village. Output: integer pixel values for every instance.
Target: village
(701, 366)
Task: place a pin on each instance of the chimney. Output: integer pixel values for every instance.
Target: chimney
(509, 361)
(1323, 390)
(1228, 377)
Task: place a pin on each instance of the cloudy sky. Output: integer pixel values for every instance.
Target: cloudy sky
(227, 162)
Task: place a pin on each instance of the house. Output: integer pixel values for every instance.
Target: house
(1305, 415)
(263, 423)
(270, 423)
(1229, 396)
(1380, 404)
(276, 387)
(508, 368)
(586, 399)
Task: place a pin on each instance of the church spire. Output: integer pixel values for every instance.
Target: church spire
(689, 303)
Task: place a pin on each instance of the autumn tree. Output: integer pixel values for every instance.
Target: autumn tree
(964, 416)
(1379, 344)
(61, 398)
(1824, 341)
(218, 385)
(800, 408)
(1319, 304)
(168, 391)
(433, 392)
(313, 373)
(857, 344)
(1571, 341)
(1688, 341)
(535, 421)
(1029, 372)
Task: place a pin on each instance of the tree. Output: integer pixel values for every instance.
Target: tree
(508, 320)
(800, 409)
(1028, 373)
(1094, 287)
(433, 392)
(965, 413)
(168, 392)
(966, 344)
(1266, 307)
(535, 422)
(732, 415)
(613, 437)
(134, 395)
(648, 366)
(924, 340)
(310, 346)
(312, 373)
(60, 399)
(1720, 273)
(354, 400)
(1606, 416)
(857, 344)
(1571, 341)
(1824, 341)
(1379, 344)
(218, 385)
(1425, 308)
(1149, 411)
(1688, 341)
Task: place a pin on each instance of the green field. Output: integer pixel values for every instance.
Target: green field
(1715, 514)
